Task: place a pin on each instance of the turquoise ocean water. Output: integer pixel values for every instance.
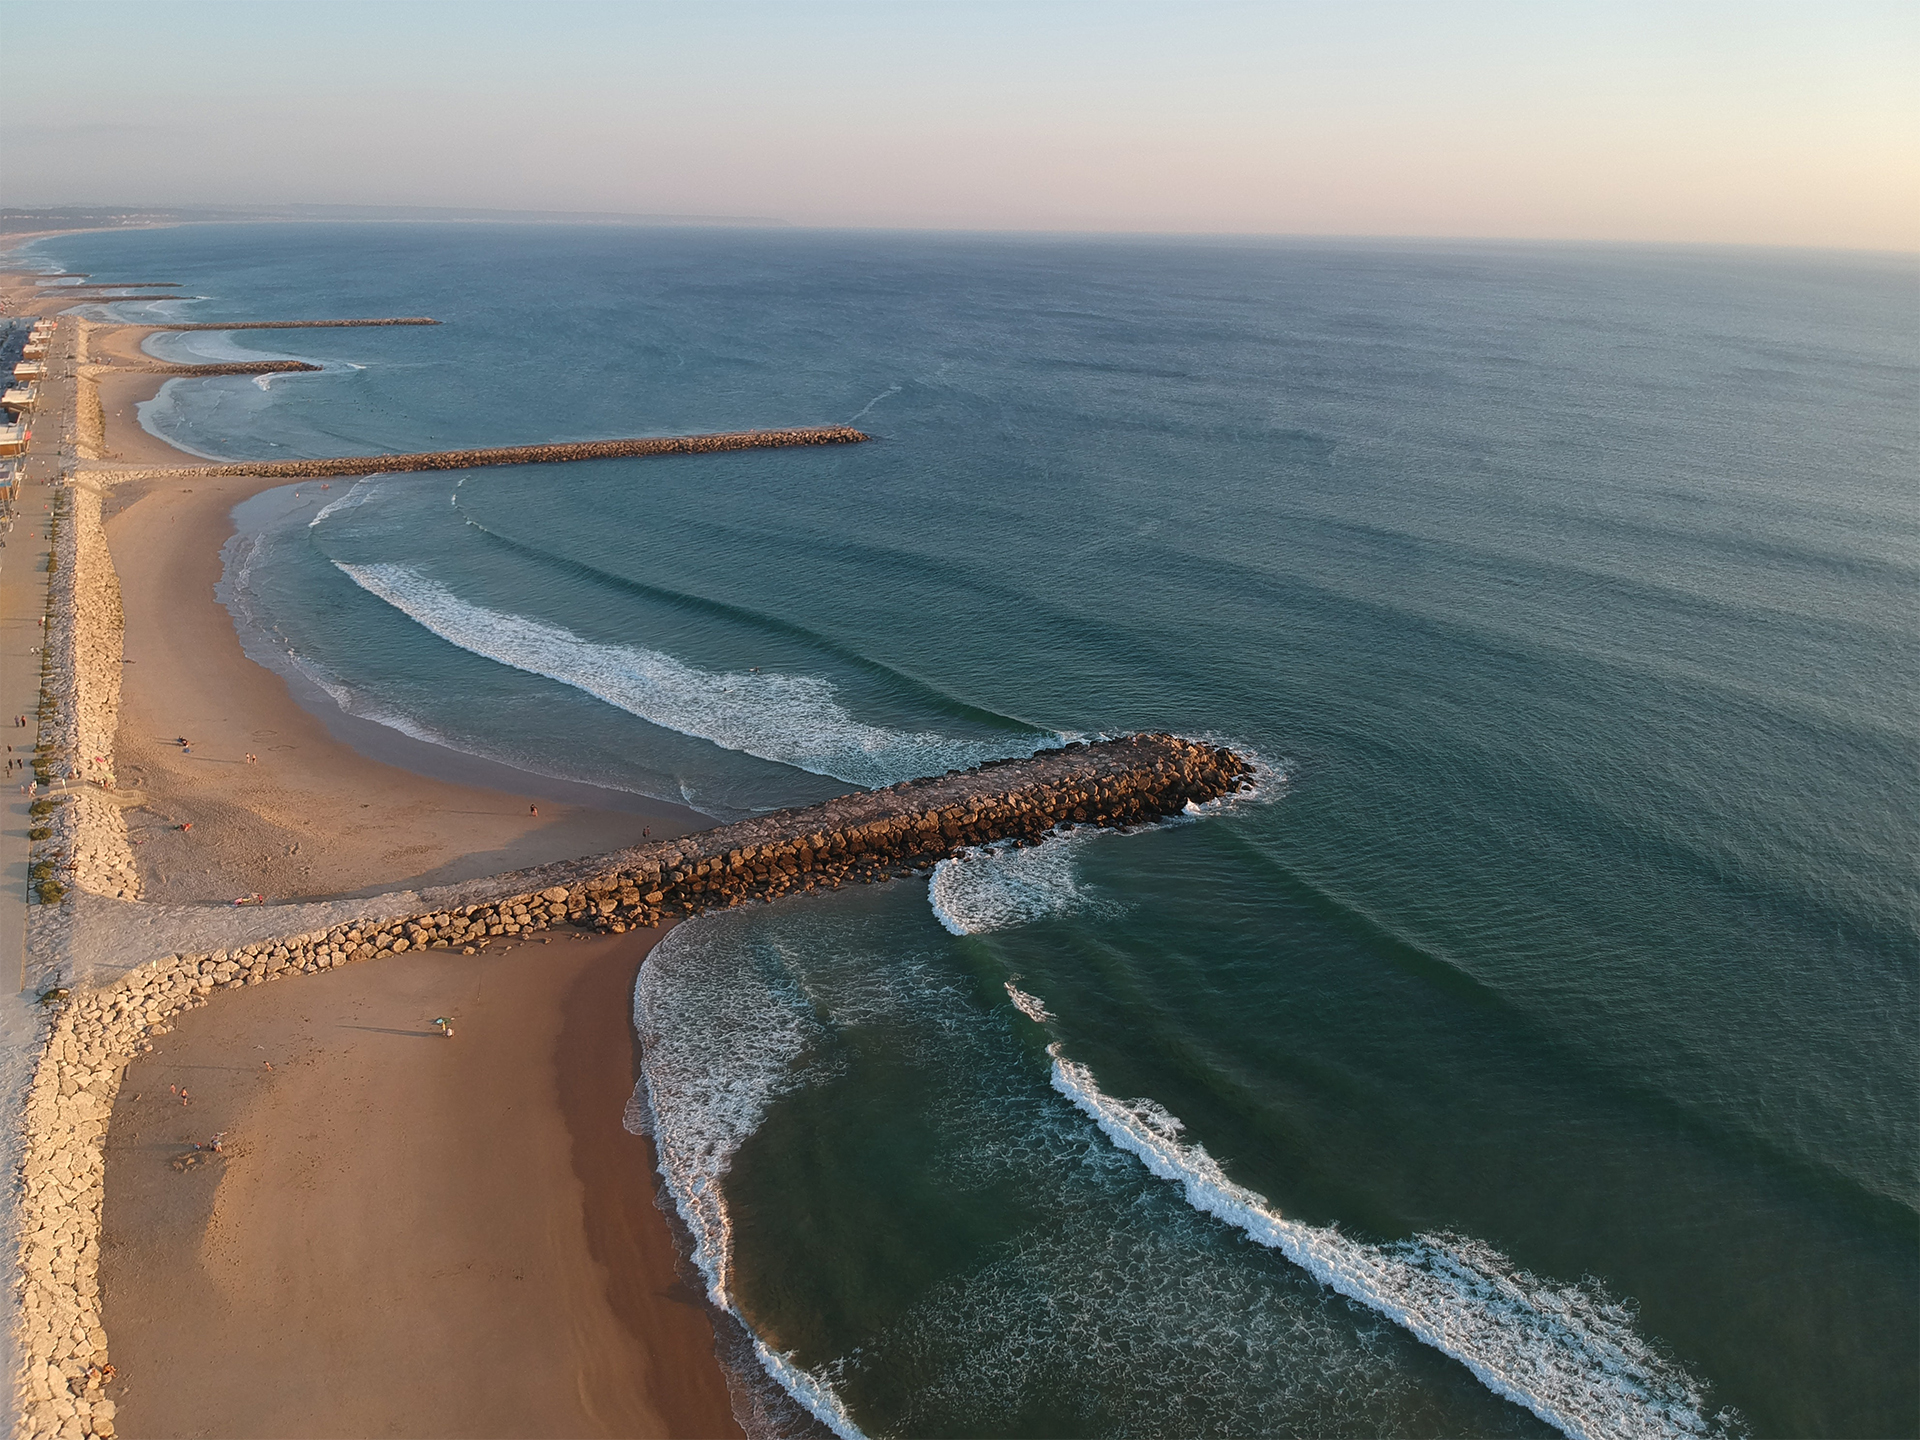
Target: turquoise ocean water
(1537, 1051)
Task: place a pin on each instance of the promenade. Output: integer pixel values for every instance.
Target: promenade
(23, 601)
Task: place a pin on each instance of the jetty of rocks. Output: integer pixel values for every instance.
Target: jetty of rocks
(509, 454)
(218, 367)
(872, 835)
(104, 294)
(294, 324)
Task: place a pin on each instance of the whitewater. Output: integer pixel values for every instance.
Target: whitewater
(1568, 1353)
(796, 720)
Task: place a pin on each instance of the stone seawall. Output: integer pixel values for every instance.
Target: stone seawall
(80, 834)
(502, 454)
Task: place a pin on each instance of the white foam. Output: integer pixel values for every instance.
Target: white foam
(1031, 1006)
(718, 1046)
(792, 719)
(1566, 1353)
(996, 887)
(813, 1393)
(361, 492)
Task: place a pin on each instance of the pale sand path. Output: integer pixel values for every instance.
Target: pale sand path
(407, 1235)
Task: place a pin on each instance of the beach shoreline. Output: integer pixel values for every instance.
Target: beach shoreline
(290, 823)
(311, 815)
(236, 794)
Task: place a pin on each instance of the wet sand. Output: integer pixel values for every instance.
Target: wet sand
(405, 1234)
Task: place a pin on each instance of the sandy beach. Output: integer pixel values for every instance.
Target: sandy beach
(405, 1234)
(311, 815)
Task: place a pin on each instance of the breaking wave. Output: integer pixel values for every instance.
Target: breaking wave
(719, 1044)
(1565, 1352)
(362, 491)
(793, 720)
(1031, 1006)
(996, 887)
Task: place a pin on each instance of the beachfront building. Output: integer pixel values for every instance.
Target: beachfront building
(13, 438)
(20, 397)
(28, 371)
(34, 350)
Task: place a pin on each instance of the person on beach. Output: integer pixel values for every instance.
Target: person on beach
(533, 809)
(446, 1025)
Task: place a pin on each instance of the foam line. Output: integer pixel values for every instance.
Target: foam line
(704, 1088)
(361, 492)
(1567, 1354)
(996, 887)
(793, 720)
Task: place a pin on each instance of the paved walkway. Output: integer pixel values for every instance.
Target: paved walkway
(23, 600)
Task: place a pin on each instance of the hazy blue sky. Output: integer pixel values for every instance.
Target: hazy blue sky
(1618, 119)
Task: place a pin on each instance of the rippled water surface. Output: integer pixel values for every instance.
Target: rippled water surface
(1536, 1052)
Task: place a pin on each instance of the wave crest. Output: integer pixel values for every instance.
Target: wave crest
(793, 720)
(1567, 1353)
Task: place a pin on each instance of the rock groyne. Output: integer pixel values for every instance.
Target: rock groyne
(218, 367)
(294, 324)
(910, 826)
(92, 1034)
(506, 454)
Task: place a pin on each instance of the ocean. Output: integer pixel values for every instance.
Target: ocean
(1536, 1051)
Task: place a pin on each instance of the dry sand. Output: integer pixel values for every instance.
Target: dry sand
(405, 1234)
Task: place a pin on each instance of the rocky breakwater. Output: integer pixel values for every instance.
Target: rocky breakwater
(218, 367)
(905, 827)
(511, 454)
(300, 324)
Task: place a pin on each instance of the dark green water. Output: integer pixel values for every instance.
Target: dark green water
(1538, 1049)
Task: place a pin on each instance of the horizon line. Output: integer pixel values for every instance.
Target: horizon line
(165, 216)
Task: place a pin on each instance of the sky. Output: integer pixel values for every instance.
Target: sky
(1746, 123)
